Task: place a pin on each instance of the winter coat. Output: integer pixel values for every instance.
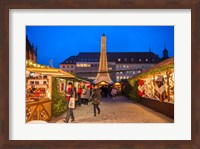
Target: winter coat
(96, 96)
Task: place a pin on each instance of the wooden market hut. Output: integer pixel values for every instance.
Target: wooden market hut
(156, 87)
(39, 102)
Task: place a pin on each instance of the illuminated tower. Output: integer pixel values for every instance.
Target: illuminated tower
(103, 75)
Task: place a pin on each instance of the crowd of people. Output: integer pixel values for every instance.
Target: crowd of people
(85, 94)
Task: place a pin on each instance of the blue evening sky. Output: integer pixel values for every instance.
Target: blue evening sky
(60, 42)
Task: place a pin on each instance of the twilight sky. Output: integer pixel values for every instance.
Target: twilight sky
(61, 42)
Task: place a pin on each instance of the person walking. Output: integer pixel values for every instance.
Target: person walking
(79, 93)
(70, 95)
(114, 92)
(96, 100)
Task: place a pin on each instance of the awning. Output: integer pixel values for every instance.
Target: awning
(50, 72)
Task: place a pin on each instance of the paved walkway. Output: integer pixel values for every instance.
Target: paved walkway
(120, 110)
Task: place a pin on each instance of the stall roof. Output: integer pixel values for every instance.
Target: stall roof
(50, 71)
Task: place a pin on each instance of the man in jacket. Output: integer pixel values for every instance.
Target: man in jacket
(70, 95)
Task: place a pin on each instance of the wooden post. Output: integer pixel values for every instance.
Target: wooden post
(168, 89)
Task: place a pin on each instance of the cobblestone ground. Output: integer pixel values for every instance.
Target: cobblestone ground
(120, 110)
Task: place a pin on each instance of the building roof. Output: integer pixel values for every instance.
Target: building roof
(70, 60)
(125, 57)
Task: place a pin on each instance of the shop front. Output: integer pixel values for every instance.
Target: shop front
(155, 86)
(39, 91)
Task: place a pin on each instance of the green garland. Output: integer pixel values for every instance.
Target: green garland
(58, 99)
(150, 72)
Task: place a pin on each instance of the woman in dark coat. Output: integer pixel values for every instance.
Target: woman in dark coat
(96, 100)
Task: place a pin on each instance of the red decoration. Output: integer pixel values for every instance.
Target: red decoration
(140, 93)
(141, 82)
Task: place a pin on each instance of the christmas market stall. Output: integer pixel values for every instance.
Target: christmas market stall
(155, 86)
(39, 82)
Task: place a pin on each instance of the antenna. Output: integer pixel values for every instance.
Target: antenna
(51, 63)
(149, 47)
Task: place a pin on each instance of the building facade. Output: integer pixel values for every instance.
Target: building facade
(121, 65)
(31, 51)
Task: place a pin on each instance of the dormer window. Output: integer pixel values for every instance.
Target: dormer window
(132, 59)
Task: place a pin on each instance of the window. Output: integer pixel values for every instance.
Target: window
(110, 68)
(63, 66)
(125, 59)
(119, 59)
(124, 66)
(83, 65)
(72, 66)
(133, 72)
(132, 59)
(153, 60)
(67, 66)
(117, 72)
(146, 60)
(140, 60)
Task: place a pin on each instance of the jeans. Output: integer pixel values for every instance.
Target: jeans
(96, 106)
(69, 113)
(79, 99)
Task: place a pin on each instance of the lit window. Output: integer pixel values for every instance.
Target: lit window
(110, 68)
(125, 59)
(146, 60)
(124, 77)
(127, 66)
(117, 72)
(133, 72)
(140, 60)
(120, 77)
(139, 71)
(124, 66)
(119, 60)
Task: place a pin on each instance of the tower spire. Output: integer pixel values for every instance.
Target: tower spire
(103, 74)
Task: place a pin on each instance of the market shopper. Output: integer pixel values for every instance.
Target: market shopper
(79, 93)
(96, 100)
(70, 95)
(113, 92)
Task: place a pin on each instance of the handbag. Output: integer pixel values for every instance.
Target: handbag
(71, 103)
